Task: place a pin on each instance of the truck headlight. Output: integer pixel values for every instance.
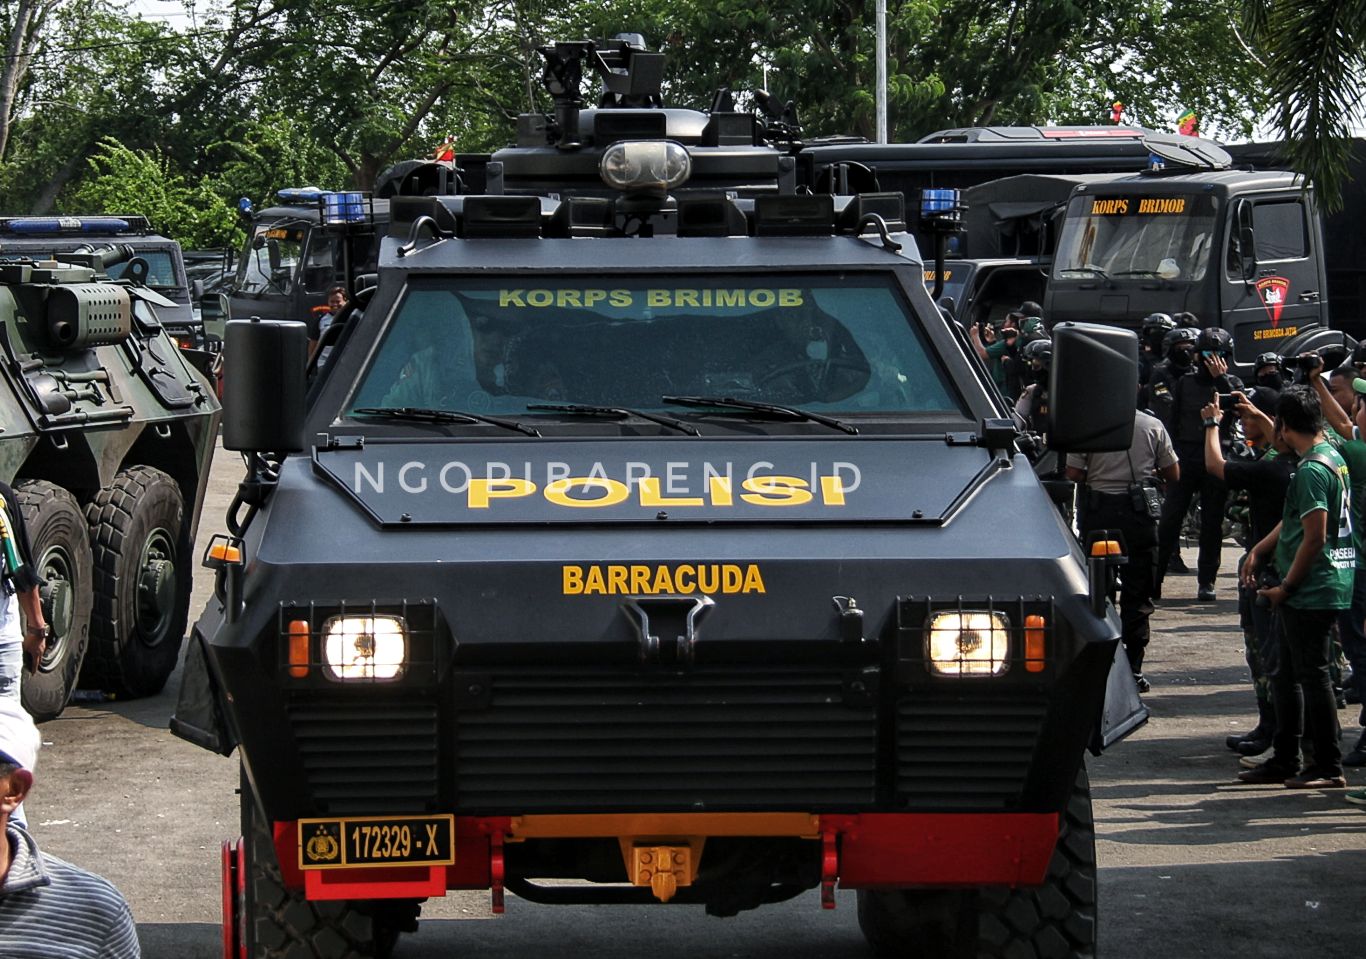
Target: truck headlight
(645, 166)
(968, 643)
(367, 648)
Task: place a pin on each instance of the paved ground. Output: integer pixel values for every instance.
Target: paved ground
(1192, 865)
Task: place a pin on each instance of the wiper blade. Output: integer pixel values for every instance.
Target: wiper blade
(1090, 270)
(1136, 273)
(619, 412)
(431, 415)
(754, 406)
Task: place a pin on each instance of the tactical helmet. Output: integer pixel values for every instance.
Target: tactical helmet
(1182, 335)
(1041, 350)
(1269, 358)
(1359, 354)
(1155, 327)
(1215, 339)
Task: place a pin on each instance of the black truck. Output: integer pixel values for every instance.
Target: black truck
(642, 541)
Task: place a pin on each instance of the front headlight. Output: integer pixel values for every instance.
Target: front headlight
(968, 643)
(370, 648)
(645, 166)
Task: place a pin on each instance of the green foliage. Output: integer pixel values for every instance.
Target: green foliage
(135, 181)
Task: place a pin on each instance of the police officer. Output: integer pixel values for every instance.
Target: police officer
(1119, 494)
(1154, 329)
(1189, 394)
(1268, 372)
(1178, 359)
(1036, 358)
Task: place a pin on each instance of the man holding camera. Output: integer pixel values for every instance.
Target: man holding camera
(1190, 394)
(996, 345)
(1265, 478)
(1119, 494)
(1313, 551)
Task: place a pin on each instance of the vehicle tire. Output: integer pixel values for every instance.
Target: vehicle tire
(1054, 921)
(282, 924)
(141, 548)
(61, 557)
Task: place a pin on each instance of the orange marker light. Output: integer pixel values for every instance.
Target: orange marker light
(298, 648)
(225, 553)
(1106, 547)
(1035, 648)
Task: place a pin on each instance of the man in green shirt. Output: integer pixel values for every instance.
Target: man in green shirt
(1314, 549)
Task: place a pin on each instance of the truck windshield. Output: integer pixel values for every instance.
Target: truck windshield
(1132, 235)
(272, 253)
(161, 272)
(841, 342)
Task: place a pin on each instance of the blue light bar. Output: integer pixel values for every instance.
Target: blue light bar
(65, 224)
(343, 208)
(938, 202)
(303, 195)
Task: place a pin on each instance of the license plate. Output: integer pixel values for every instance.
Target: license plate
(377, 841)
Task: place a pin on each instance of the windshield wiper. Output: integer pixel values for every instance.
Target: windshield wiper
(430, 415)
(1136, 273)
(1091, 270)
(619, 412)
(772, 409)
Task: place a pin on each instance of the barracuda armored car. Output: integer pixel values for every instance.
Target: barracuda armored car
(651, 537)
(105, 434)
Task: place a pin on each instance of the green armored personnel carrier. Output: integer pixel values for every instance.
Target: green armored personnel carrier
(105, 434)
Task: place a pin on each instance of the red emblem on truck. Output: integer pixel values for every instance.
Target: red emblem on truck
(1273, 291)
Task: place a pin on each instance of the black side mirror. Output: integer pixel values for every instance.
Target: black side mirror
(273, 251)
(1247, 243)
(1092, 387)
(196, 291)
(263, 385)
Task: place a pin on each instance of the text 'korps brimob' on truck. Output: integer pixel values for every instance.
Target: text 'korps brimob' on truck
(641, 541)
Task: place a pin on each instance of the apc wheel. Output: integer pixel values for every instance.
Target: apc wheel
(1054, 921)
(281, 924)
(61, 558)
(142, 581)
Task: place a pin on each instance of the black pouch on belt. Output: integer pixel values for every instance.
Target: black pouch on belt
(1146, 500)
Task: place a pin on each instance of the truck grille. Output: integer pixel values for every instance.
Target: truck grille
(368, 757)
(568, 742)
(965, 752)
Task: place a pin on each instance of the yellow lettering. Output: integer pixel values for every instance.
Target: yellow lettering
(594, 584)
(663, 582)
(616, 580)
(762, 298)
(650, 495)
(789, 297)
(640, 579)
(656, 297)
(573, 580)
(730, 297)
(510, 298)
(707, 579)
(685, 298)
(593, 297)
(481, 491)
(754, 583)
(732, 578)
(776, 491)
(613, 491)
(721, 493)
(539, 297)
(569, 298)
(683, 580)
(620, 298)
(1109, 207)
(832, 491)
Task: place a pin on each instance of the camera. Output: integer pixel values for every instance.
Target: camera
(1266, 579)
(1308, 362)
(1228, 402)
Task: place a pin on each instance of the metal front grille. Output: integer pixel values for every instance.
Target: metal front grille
(966, 751)
(568, 742)
(368, 757)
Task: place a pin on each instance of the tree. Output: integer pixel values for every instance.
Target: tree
(1315, 54)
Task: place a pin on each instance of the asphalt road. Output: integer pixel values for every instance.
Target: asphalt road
(1192, 864)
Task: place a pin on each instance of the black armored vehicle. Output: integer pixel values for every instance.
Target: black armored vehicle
(106, 433)
(651, 537)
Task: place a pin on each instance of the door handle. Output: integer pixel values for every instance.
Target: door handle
(1309, 296)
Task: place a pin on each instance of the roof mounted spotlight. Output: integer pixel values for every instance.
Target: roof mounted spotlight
(651, 167)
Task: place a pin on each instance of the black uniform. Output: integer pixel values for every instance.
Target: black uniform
(1189, 394)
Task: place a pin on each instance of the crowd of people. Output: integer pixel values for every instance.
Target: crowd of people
(1284, 457)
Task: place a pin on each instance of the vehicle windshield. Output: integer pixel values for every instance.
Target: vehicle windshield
(271, 254)
(161, 272)
(1136, 236)
(839, 342)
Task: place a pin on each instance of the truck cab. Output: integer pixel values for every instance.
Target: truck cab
(1239, 249)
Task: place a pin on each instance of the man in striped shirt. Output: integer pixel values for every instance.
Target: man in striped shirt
(49, 908)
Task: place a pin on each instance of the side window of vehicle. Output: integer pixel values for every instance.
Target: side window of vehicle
(319, 265)
(1281, 230)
